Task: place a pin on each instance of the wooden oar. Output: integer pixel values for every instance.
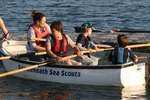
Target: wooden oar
(139, 45)
(38, 39)
(8, 57)
(42, 53)
(45, 63)
(42, 64)
(86, 51)
(142, 57)
(22, 69)
(5, 57)
(130, 46)
(92, 50)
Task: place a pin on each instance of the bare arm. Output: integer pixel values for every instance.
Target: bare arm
(39, 48)
(73, 45)
(80, 47)
(132, 56)
(48, 49)
(4, 29)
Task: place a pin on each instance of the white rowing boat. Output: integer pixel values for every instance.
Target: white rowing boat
(123, 75)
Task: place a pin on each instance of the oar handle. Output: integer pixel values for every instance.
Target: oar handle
(40, 53)
(5, 58)
(142, 57)
(38, 39)
(86, 51)
(35, 53)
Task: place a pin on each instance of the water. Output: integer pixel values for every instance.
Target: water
(35, 90)
(104, 14)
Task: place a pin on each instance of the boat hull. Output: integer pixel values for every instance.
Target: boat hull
(105, 75)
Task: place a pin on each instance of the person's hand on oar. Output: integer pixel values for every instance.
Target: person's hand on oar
(58, 59)
(96, 47)
(90, 50)
(38, 39)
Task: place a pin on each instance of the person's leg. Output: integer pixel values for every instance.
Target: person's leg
(86, 60)
(94, 60)
(68, 62)
(75, 62)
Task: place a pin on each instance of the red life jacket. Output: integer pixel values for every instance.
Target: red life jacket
(40, 34)
(60, 45)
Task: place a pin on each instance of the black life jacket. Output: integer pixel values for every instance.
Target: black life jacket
(83, 40)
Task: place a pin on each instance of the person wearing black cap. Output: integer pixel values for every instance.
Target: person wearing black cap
(84, 42)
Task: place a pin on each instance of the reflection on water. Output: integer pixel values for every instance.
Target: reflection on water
(136, 93)
(35, 90)
(52, 95)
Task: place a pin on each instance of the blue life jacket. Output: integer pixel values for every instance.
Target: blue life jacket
(120, 55)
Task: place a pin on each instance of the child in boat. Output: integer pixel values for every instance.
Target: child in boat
(4, 29)
(84, 42)
(38, 29)
(121, 54)
(58, 42)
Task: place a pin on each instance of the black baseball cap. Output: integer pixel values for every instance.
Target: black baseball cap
(86, 25)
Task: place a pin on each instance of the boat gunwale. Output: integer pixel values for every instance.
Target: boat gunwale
(113, 66)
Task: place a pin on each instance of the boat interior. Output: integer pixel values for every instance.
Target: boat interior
(25, 56)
